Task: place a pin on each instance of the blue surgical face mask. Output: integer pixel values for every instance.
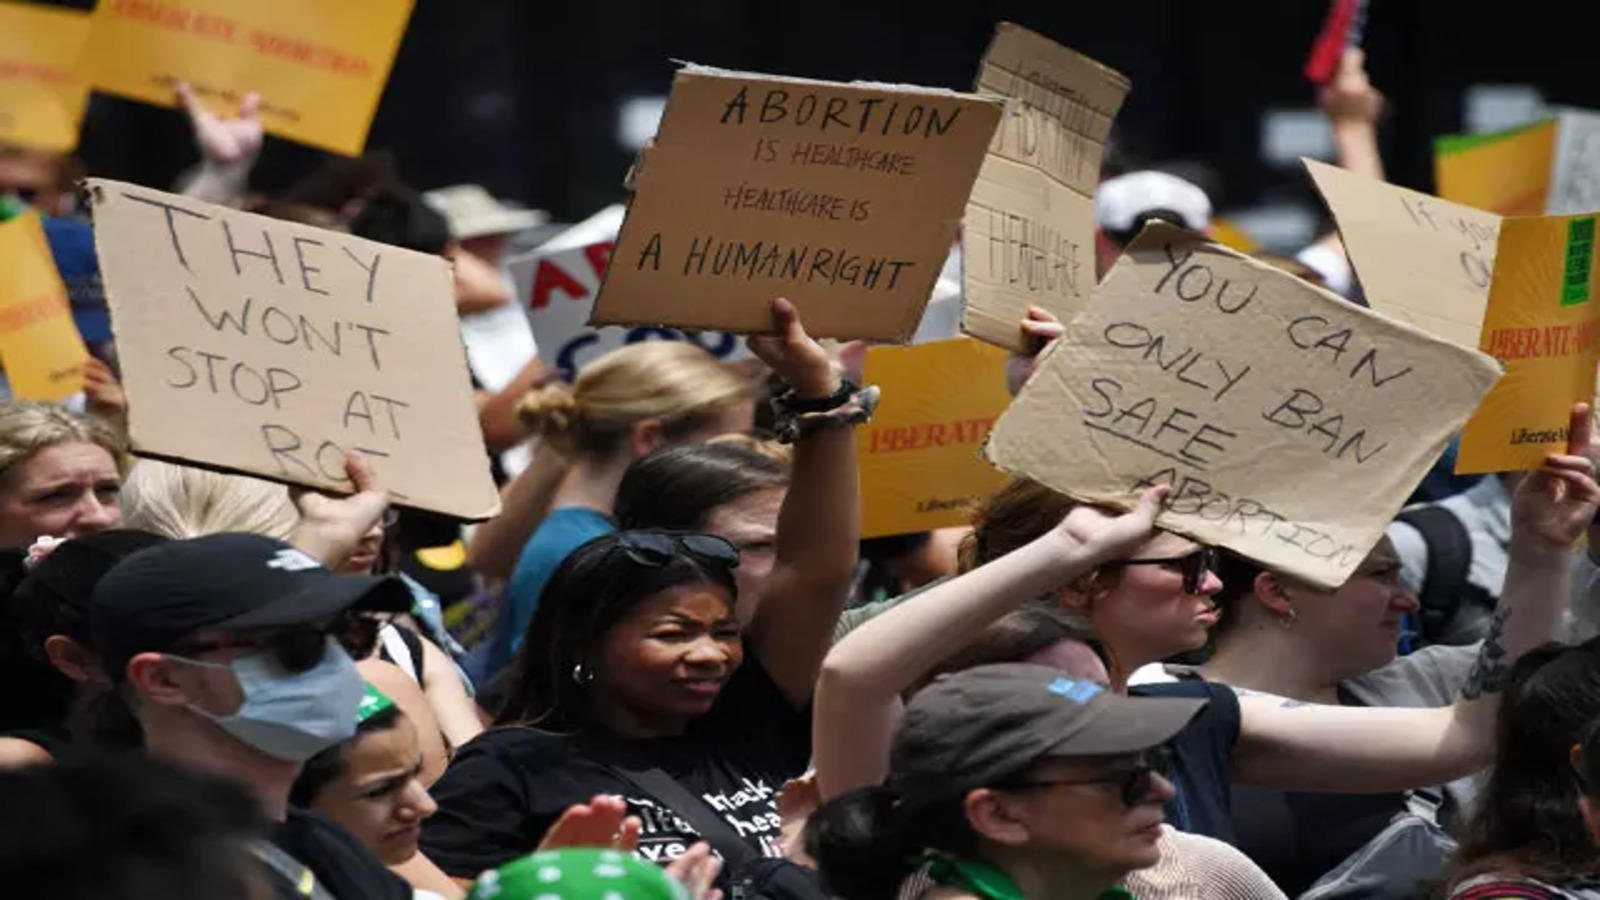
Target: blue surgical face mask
(291, 716)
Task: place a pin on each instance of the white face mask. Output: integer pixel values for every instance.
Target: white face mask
(291, 716)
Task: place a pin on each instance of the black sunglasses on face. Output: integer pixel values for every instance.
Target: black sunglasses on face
(1193, 566)
(657, 548)
(300, 648)
(1134, 784)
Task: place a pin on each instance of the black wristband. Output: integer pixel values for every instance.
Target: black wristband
(838, 398)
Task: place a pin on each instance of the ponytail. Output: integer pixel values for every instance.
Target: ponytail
(865, 843)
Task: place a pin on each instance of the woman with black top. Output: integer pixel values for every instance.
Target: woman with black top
(1157, 603)
(637, 669)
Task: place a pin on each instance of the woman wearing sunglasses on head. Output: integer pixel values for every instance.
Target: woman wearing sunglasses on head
(1006, 782)
(637, 679)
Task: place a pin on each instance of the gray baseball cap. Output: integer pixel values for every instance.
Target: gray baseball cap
(983, 725)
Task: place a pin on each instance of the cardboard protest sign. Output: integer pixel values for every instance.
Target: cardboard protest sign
(1421, 260)
(919, 459)
(1544, 325)
(40, 347)
(558, 289)
(1575, 173)
(269, 347)
(319, 66)
(1291, 424)
(845, 198)
(1507, 172)
(1028, 238)
(42, 96)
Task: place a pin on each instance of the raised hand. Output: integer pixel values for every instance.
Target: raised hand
(602, 822)
(330, 528)
(224, 141)
(798, 360)
(1349, 96)
(102, 391)
(1553, 506)
(1040, 329)
(1109, 536)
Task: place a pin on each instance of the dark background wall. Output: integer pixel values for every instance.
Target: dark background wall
(521, 95)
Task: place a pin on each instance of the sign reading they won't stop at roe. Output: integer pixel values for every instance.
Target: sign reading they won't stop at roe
(270, 348)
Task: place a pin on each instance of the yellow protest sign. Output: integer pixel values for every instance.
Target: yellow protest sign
(1507, 172)
(920, 466)
(41, 94)
(40, 347)
(319, 65)
(1543, 323)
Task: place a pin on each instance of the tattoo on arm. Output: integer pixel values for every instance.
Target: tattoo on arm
(1488, 675)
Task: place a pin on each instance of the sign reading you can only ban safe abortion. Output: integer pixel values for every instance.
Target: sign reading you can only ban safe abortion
(845, 198)
(271, 348)
(1291, 424)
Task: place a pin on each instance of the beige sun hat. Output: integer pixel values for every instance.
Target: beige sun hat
(474, 212)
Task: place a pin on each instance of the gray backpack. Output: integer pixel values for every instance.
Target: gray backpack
(1398, 862)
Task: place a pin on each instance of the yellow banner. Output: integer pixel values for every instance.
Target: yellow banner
(920, 466)
(1506, 173)
(1543, 323)
(42, 94)
(319, 65)
(40, 347)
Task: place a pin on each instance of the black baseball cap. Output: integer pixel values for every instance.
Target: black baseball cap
(986, 724)
(157, 596)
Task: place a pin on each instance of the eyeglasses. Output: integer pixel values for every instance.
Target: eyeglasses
(1193, 566)
(658, 548)
(1133, 784)
(300, 648)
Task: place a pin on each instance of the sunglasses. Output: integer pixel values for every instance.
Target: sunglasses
(1193, 566)
(655, 549)
(300, 648)
(1133, 784)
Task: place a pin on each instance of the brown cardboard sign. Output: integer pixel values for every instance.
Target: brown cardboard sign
(1291, 424)
(845, 198)
(267, 347)
(1028, 238)
(1421, 260)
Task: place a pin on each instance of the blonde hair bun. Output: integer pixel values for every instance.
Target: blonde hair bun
(550, 410)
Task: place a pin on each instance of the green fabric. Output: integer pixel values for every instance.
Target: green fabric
(1448, 144)
(373, 702)
(577, 873)
(989, 882)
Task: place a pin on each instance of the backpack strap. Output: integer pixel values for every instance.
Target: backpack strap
(735, 852)
(289, 871)
(1449, 562)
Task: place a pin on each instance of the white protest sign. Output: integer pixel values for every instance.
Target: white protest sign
(267, 347)
(1291, 425)
(1575, 175)
(557, 290)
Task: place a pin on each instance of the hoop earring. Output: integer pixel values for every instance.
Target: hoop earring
(581, 674)
(1288, 620)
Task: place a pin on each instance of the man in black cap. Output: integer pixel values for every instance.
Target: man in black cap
(233, 651)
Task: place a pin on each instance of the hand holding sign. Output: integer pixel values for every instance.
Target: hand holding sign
(799, 361)
(1105, 536)
(330, 528)
(1555, 504)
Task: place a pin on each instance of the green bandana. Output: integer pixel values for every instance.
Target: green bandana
(373, 702)
(989, 882)
(577, 873)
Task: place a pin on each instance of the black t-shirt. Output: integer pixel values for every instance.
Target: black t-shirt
(342, 864)
(1202, 758)
(506, 787)
(1296, 837)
